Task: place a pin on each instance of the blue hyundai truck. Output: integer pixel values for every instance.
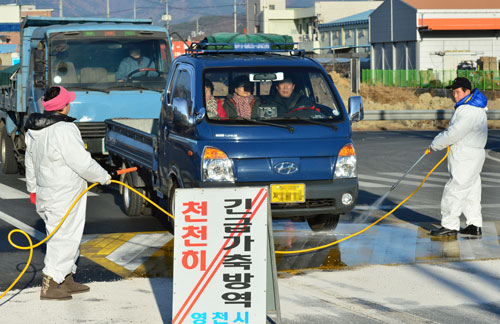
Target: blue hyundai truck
(84, 55)
(303, 154)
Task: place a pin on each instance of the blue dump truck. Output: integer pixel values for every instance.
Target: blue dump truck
(298, 145)
(90, 56)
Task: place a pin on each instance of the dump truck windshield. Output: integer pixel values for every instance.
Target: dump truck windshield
(108, 63)
(271, 94)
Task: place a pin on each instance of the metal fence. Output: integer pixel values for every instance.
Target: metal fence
(483, 80)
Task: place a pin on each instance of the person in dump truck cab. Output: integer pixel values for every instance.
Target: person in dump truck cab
(134, 62)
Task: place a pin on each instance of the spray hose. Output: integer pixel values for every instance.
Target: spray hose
(378, 220)
(32, 246)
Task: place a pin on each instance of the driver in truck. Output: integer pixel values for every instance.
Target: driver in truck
(286, 99)
(134, 62)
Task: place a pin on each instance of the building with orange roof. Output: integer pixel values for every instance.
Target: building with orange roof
(434, 35)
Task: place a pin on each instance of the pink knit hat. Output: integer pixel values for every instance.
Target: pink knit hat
(57, 103)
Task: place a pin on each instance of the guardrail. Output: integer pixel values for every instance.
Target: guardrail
(418, 114)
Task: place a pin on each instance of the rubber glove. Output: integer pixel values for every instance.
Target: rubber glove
(108, 180)
(33, 198)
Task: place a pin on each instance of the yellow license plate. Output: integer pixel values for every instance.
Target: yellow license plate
(288, 193)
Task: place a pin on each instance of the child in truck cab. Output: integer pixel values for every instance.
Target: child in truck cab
(241, 103)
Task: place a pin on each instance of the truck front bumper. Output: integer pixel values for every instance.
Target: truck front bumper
(322, 197)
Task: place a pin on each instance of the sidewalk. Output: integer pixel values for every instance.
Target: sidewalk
(465, 292)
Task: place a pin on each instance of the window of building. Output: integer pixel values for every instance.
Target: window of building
(271, 7)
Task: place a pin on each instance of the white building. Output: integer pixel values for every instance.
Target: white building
(346, 34)
(433, 35)
(272, 16)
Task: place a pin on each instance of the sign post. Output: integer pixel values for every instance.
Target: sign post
(222, 256)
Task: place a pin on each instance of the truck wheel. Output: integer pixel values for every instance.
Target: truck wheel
(132, 202)
(171, 203)
(9, 163)
(323, 222)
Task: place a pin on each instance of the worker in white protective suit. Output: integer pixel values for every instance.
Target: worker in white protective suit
(466, 135)
(57, 170)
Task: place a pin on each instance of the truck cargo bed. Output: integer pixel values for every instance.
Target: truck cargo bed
(133, 140)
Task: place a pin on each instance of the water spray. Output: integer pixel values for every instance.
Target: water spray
(409, 170)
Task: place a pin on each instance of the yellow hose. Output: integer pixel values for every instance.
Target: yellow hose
(375, 222)
(30, 247)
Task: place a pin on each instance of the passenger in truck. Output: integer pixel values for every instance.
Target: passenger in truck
(214, 105)
(241, 103)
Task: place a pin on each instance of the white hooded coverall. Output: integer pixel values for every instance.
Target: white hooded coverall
(466, 135)
(57, 170)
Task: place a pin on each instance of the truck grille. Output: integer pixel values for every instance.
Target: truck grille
(92, 130)
(310, 203)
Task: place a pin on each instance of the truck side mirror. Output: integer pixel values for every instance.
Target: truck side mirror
(39, 55)
(182, 118)
(39, 68)
(356, 112)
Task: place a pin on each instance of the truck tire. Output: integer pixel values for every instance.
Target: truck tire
(323, 222)
(132, 202)
(8, 159)
(171, 204)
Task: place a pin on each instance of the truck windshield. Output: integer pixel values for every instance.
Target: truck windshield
(288, 94)
(110, 63)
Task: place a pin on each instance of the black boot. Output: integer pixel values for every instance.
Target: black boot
(471, 230)
(443, 231)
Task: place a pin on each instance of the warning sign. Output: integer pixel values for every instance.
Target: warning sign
(220, 257)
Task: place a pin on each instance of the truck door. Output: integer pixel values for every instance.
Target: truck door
(178, 128)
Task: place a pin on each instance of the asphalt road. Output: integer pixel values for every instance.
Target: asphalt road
(399, 240)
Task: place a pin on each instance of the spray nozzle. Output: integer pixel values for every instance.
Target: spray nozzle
(122, 171)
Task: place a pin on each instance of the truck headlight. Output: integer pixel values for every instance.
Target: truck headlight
(216, 166)
(346, 163)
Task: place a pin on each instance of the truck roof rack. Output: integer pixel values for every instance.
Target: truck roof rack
(243, 43)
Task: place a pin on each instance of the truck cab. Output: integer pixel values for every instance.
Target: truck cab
(297, 143)
(97, 59)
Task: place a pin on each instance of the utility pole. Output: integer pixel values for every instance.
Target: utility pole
(166, 14)
(166, 17)
(234, 16)
(135, 16)
(60, 8)
(107, 9)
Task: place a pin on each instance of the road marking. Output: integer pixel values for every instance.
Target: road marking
(488, 156)
(401, 243)
(138, 249)
(389, 180)
(416, 177)
(22, 226)
(366, 184)
(442, 179)
(7, 192)
(419, 206)
(143, 255)
(147, 257)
